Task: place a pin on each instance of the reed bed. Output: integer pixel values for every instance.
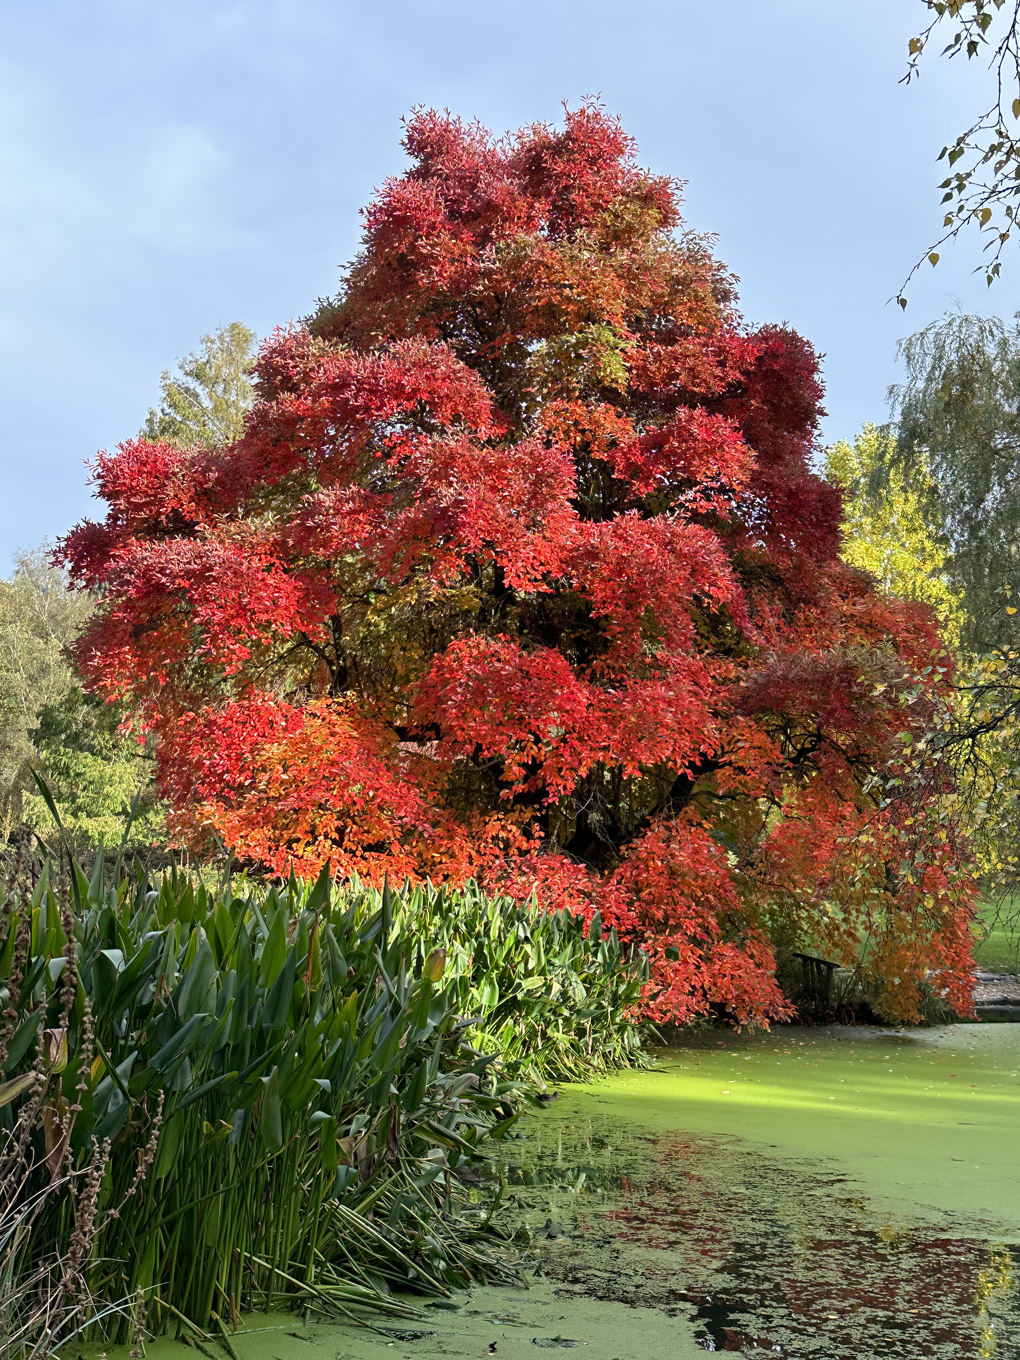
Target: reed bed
(237, 1097)
(555, 998)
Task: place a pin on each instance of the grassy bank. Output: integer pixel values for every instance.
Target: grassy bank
(998, 947)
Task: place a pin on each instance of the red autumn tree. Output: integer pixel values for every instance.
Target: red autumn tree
(520, 572)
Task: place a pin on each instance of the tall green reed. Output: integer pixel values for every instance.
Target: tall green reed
(555, 998)
(257, 1097)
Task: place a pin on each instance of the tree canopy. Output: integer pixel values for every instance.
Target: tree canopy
(49, 726)
(39, 617)
(956, 453)
(959, 447)
(100, 778)
(208, 401)
(887, 529)
(520, 572)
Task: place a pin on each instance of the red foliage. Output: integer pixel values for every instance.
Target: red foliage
(520, 571)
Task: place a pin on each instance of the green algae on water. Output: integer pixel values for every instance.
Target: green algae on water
(509, 1324)
(844, 1194)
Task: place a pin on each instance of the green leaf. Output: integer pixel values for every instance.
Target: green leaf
(112, 1121)
(197, 1092)
(386, 915)
(274, 951)
(313, 962)
(7, 954)
(239, 1013)
(97, 883)
(319, 896)
(419, 1016)
(276, 1009)
(193, 992)
(414, 1092)
(384, 1056)
(24, 1036)
(175, 1047)
(184, 909)
(143, 962)
(116, 1074)
(44, 789)
(504, 1126)
(270, 1114)
(328, 1151)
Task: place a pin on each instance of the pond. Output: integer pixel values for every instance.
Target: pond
(839, 1194)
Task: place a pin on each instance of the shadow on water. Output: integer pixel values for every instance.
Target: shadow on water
(767, 1257)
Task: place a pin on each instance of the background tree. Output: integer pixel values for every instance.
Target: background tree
(49, 725)
(958, 447)
(957, 452)
(520, 571)
(101, 779)
(887, 529)
(209, 400)
(39, 617)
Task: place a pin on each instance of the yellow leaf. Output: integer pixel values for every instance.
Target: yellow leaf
(1010, 609)
(17, 1086)
(1016, 108)
(986, 214)
(933, 258)
(434, 965)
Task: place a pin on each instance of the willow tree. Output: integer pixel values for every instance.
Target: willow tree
(982, 187)
(958, 446)
(958, 419)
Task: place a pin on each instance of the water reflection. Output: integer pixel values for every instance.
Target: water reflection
(996, 1293)
(769, 1257)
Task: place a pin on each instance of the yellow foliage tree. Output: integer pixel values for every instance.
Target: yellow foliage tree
(885, 529)
(888, 531)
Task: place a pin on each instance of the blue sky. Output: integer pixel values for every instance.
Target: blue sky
(171, 166)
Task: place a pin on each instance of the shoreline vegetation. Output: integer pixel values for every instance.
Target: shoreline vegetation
(225, 1096)
(230, 1097)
